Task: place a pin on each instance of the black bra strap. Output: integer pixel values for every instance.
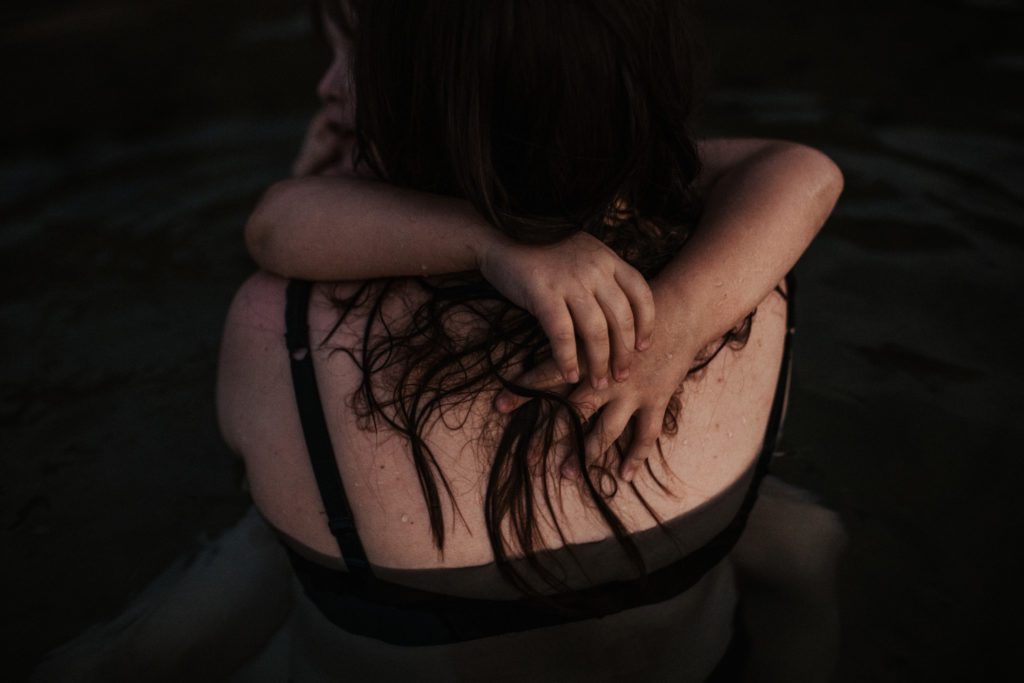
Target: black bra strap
(314, 427)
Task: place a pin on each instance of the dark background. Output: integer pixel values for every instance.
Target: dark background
(137, 135)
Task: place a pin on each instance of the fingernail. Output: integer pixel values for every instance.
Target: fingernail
(621, 374)
(600, 382)
(573, 377)
(643, 344)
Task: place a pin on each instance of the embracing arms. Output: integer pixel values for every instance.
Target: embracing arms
(352, 228)
(764, 202)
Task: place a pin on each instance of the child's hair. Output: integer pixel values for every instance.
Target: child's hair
(541, 113)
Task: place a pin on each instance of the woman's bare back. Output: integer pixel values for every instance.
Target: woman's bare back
(722, 423)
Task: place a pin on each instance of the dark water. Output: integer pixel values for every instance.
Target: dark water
(137, 137)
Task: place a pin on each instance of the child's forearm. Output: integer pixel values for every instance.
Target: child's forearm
(350, 228)
(765, 202)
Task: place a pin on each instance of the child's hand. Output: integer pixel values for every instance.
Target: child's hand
(578, 287)
(326, 148)
(642, 400)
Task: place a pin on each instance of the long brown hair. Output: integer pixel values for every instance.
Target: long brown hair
(550, 118)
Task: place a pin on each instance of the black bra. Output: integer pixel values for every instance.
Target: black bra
(360, 602)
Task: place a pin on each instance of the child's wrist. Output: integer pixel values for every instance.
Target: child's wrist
(489, 247)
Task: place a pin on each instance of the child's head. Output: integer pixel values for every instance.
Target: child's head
(543, 114)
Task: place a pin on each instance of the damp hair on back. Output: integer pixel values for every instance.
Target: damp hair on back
(550, 118)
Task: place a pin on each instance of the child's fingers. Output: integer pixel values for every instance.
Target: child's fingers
(557, 322)
(587, 402)
(319, 147)
(636, 289)
(544, 376)
(646, 430)
(608, 428)
(619, 315)
(592, 326)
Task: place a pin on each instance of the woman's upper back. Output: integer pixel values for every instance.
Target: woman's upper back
(721, 431)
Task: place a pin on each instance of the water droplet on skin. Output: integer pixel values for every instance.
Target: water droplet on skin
(405, 518)
(718, 282)
(729, 434)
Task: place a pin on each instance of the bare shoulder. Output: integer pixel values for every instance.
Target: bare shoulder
(254, 324)
(258, 306)
(254, 377)
(257, 303)
(252, 341)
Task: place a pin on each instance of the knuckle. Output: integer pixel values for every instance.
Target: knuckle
(562, 335)
(579, 296)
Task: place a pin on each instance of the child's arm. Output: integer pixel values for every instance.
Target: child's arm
(765, 202)
(757, 211)
(349, 228)
(352, 228)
